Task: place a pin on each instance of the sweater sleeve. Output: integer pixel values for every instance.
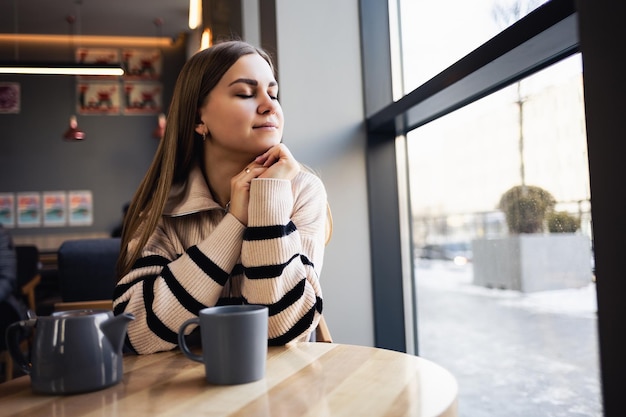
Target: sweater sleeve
(169, 284)
(282, 254)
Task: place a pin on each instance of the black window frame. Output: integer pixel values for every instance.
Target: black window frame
(552, 32)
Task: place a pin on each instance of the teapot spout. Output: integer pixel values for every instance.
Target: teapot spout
(114, 329)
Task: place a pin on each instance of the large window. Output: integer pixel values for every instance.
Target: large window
(532, 324)
(399, 124)
(436, 34)
(534, 328)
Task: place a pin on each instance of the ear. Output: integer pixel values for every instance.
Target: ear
(201, 129)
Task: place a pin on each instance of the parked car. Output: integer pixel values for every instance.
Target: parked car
(458, 252)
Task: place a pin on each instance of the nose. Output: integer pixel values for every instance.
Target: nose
(267, 104)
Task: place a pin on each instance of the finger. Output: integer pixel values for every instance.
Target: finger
(275, 155)
(272, 155)
(252, 171)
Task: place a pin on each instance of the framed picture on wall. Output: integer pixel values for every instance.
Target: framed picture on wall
(7, 209)
(80, 208)
(28, 209)
(98, 97)
(142, 64)
(98, 56)
(54, 208)
(142, 97)
(9, 98)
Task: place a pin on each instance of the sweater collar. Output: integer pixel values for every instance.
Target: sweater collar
(191, 196)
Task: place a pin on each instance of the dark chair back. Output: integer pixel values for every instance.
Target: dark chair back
(28, 275)
(27, 261)
(87, 268)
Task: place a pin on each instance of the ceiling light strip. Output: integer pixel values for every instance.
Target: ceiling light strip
(90, 40)
(61, 69)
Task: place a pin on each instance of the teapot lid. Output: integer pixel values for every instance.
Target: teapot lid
(80, 313)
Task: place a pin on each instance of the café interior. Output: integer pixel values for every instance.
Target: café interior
(91, 138)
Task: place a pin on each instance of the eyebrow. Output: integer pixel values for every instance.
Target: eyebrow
(251, 82)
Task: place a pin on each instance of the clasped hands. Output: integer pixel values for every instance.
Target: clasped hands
(277, 162)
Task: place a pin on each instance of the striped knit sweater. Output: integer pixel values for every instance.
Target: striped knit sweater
(199, 256)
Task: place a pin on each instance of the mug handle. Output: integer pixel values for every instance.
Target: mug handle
(13, 333)
(182, 343)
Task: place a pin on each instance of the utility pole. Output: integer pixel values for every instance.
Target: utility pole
(506, 13)
(520, 115)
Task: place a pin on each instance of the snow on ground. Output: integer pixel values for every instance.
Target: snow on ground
(447, 275)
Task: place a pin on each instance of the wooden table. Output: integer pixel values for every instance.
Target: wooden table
(305, 379)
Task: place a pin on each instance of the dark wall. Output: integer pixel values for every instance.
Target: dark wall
(111, 160)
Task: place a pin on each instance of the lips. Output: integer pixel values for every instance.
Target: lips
(267, 125)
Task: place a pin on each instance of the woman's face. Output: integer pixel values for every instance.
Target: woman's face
(242, 112)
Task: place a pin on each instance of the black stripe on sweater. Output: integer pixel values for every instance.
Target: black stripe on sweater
(120, 308)
(182, 295)
(229, 301)
(300, 327)
(151, 260)
(153, 321)
(128, 345)
(267, 271)
(120, 289)
(237, 270)
(207, 266)
(148, 261)
(268, 232)
(288, 299)
(306, 261)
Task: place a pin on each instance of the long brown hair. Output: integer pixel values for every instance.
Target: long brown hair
(180, 147)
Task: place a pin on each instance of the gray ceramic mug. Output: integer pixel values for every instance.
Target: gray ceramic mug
(234, 343)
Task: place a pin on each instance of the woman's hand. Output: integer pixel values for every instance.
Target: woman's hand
(279, 162)
(276, 162)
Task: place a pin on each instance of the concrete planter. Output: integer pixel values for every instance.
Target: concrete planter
(533, 262)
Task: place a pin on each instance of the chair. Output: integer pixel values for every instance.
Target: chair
(27, 278)
(87, 269)
(322, 332)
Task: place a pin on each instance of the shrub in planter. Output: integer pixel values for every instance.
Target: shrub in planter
(562, 222)
(525, 208)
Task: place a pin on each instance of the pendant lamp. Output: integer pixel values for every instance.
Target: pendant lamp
(73, 133)
(158, 132)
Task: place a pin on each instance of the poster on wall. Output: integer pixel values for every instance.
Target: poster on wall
(28, 209)
(80, 208)
(54, 208)
(142, 98)
(142, 63)
(7, 209)
(98, 56)
(9, 98)
(98, 97)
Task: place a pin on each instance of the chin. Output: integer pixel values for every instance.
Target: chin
(273, 142)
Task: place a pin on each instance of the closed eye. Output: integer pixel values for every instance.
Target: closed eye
(252, 95)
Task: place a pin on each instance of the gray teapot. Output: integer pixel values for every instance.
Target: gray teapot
(72, 351)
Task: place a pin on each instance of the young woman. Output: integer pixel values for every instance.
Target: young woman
(225, 214)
